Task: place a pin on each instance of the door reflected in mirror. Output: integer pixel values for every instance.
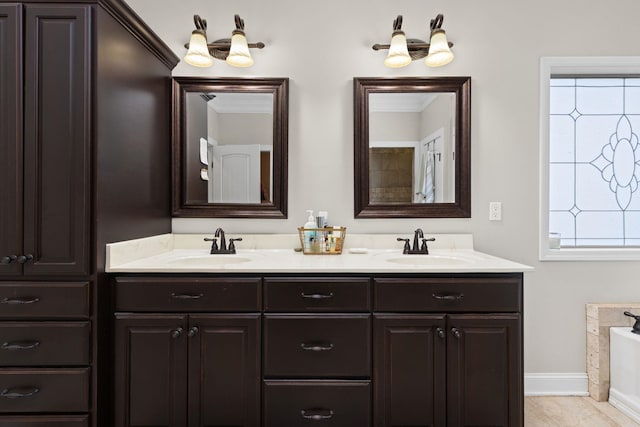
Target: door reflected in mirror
(230, 147)
(412, 148)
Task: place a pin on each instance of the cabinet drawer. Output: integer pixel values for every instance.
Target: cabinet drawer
(44, 390)
(305, 294)
(326, 403)
(303, 346)
(448, 294)
(44, 300)
(187, 294)
(45, 421)
(44, 343)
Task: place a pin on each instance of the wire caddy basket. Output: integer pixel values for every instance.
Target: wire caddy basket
(322, 241)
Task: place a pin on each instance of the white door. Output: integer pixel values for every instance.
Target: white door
(235, 174)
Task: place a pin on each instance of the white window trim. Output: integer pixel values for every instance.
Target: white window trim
(574, 65)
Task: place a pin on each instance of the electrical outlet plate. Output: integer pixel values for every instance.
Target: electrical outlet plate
(495, 211)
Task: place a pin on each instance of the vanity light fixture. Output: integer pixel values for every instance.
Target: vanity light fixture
(235, 51)
(402, 50)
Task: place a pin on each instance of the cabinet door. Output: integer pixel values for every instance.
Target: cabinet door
(409, 361)
(10, 137)
(150, 370)
(484, 374)
(57, 136)
(224, 370)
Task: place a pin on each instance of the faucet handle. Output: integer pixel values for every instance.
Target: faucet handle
(214, 245)
(407, 247)
(424, 248)
(232, 246)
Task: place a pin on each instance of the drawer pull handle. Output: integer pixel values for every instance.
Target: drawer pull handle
(456, 332)
(19, 393)
(193, 331)
(317, 296)
(20, 345)
(186, 296)
(316, 347)
(448, 297)
(177, 333)
(23, 300)
(316, 414)
(441, 333)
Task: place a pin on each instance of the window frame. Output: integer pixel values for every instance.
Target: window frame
(591, 65)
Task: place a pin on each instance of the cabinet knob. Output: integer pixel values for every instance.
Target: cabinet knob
(8, 259)
(441, 333)
(22, 259)
(456, 332)
(176, 333)
(193, 331)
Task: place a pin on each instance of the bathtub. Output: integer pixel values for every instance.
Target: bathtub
(624, 393)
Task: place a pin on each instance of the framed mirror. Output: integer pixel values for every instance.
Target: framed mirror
(412, 147)
(230, 139)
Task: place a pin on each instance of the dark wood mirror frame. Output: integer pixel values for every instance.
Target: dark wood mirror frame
(461, 87)
(279, 87)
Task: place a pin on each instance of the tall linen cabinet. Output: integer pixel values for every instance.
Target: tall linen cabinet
(84, 160)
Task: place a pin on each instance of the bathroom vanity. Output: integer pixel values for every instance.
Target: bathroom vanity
(280, 338)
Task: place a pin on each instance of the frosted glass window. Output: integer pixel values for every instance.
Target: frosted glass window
(594, 160)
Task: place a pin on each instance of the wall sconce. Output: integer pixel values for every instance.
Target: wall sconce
(235, 51)
(402, 50)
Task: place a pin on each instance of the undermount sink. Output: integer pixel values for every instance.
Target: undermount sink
(208, 260)
(429, 260)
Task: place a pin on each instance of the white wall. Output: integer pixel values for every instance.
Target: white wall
(322, 45)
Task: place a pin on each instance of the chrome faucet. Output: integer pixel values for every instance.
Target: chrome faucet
(418, 248)
(222, 249)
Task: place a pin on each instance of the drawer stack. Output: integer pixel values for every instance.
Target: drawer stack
(44, 354)
(317, 351)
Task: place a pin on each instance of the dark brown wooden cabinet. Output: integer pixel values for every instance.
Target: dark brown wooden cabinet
(410, 370)
(66, 130)
(317, 351)
(45, 212)
(439, 350)
(187, 369)
(484, 372)
(448, 351)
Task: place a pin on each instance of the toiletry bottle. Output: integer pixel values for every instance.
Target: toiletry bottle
(337, 233)
(325, 218)
(309, 236)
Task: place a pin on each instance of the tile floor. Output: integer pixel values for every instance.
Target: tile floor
(561, 411)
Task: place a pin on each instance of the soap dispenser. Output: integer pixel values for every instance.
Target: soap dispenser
(309, 236)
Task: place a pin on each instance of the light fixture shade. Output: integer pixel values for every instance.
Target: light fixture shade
(398, 53)
(198, 54)
(439, 52)
(239, 55)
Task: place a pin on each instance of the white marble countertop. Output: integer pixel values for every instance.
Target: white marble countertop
(269, 253)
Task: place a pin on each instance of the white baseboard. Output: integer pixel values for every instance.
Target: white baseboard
(562, 384)
(626, 404)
